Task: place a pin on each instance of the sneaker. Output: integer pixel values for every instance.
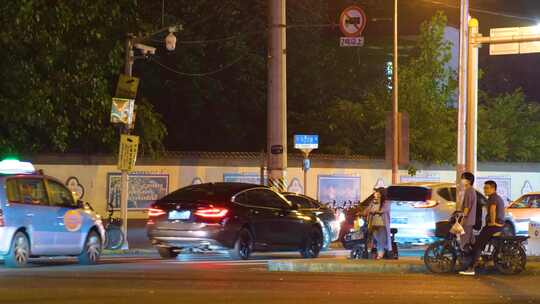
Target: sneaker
(468, 272)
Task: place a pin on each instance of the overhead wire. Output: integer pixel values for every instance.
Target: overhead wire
(484, 11)
(173, 70)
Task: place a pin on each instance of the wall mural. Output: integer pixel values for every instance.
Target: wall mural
(432, 178)
(295, 186)
(504, 185)
(196, 181)
(73, 184)
(527, 187)
(144, 189)
(251, 178)
(338, 188)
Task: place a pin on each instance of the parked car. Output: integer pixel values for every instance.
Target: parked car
(40, 217)
(523, 210)
(241, 218)
(416, 207)
(308, 205)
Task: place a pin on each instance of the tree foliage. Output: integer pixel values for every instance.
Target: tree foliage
(59, 65)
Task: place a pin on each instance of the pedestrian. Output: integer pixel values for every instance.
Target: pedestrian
(379, 222)
(468, 207)
(494, 223)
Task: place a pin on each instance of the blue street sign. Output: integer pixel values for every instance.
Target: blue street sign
(306, 141)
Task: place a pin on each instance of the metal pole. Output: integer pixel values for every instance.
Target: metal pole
(462, 102)
(128, 69)
(472, 97)
(277, 96)
(395, 118)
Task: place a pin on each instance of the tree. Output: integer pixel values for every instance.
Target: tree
(508, 128)
(57, 75)
(427, 92)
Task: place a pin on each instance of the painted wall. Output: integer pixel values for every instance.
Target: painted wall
(327, 180)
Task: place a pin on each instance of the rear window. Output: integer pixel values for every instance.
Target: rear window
(198, 193)
(408, 193)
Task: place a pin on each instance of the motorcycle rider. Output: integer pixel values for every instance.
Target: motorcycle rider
(494, 223)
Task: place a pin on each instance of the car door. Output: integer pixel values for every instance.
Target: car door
(288, 226)
(68, 219)
(259, 214)
(29, 208)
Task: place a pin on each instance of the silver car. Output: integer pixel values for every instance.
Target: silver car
(416, 207)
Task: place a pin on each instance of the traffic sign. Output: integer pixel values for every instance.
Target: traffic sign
(513, 48)
(352, 21)
(127, 154)
(306, 141)
(351, 41)
(127, 87)
(122, 110)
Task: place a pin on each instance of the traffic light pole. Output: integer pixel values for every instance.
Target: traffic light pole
(475, 41)
(462, 101)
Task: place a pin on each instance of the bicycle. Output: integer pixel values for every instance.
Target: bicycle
(114, 237)
(507, 253)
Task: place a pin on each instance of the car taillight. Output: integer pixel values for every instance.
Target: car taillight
(155, 212)
(211, 212)
(426, 204)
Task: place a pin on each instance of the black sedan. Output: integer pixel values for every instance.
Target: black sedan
(327, 215)
(242, 218)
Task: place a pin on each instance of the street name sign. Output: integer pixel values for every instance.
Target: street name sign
(306, 141)
(514, 48)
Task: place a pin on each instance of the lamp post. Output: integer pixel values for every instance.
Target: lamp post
(131, 42)
(395, 115)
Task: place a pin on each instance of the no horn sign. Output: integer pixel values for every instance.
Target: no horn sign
(352, 21)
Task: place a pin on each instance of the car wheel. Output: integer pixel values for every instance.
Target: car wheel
(19, 251)
(312, 244)
(167, 252)
(91, 250)
(243, 247)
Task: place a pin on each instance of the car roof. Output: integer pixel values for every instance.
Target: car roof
(425, 184)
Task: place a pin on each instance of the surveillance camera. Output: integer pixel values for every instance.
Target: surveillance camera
(145, 49)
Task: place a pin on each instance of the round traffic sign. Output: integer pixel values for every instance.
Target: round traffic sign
(352, 21)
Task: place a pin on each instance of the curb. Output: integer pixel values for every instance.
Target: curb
(346, 266)
(129, 252)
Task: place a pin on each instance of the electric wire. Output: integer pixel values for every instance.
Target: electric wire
(170, 69)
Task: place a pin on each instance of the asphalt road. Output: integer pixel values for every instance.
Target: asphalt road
(216, 279)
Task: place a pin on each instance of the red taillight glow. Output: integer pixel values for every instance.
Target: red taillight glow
(212, 212)
(155, 212)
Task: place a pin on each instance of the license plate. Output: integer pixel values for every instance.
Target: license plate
(179, 215)
(399, 220)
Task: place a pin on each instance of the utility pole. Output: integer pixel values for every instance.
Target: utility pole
(395, 113)
(124, 186)
(462, 101)
(277, 96)
(472, 97)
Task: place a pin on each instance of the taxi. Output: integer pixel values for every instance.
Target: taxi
(40, 217)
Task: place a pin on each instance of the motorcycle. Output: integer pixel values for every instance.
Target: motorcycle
(506, 253)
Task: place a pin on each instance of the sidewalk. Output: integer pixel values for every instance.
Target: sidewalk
(403, 265)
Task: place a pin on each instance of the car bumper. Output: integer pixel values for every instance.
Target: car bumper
(6, 235)
(209, 236)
